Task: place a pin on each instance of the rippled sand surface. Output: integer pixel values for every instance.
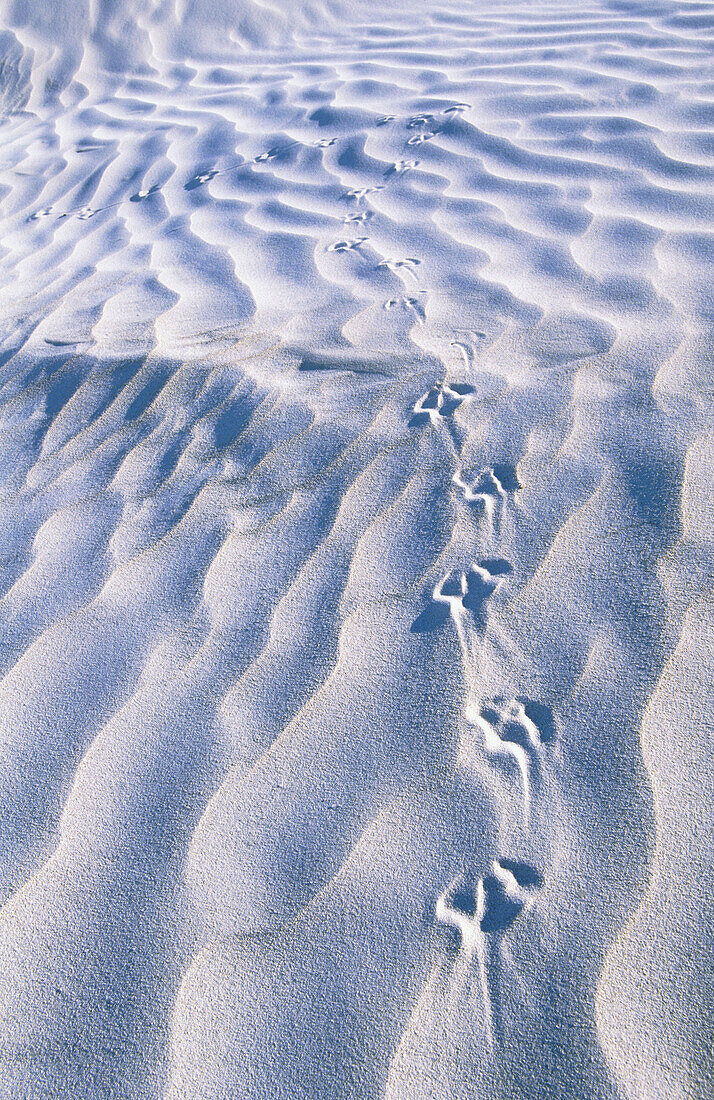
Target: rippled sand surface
(356, 545)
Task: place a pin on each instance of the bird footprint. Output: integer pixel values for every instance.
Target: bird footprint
(270, 154)
(462, 597)
(439, 402)
(400, 167)
(359, 218)
(347, 246)
(419, 139)
(360, 193)
(490, 491)
(406, 264)
(406, 303)
(144, 194)
(490, 905)
(516, 729)
(200, 179)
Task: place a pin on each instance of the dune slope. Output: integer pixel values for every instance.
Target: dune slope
(356, 621)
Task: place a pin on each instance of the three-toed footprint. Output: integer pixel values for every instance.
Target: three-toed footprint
(360, 193)
(419, 139)
(400, 167)
(461, 596)
(482, 909)
(440, 402)
(405, 264)
(359, 218)
(513, 733)
(347, 246)
(490, 903)
(406, 302)
(488, 492)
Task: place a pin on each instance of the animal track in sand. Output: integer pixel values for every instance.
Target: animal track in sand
(413, 121)
(481, 910)
(400, 167)
(201, 178)
(466, 348)
(347, 246)
(462, 596)
(514, 730)
(493, 904)
(491, 213)
(359, 193)
(359, 218)
(519, 720)
(140, 195)
(407, 302)
(271, 154)
(198, 180)
(419, 139)
(504, 894)
(439, 402)
(479, 583)
(489, 491)
(405, 264)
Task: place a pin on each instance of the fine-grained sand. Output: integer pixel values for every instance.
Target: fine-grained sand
(356, 550)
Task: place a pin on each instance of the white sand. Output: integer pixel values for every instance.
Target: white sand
(357, 544)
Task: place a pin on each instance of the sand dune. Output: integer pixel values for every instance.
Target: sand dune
(356, 541)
